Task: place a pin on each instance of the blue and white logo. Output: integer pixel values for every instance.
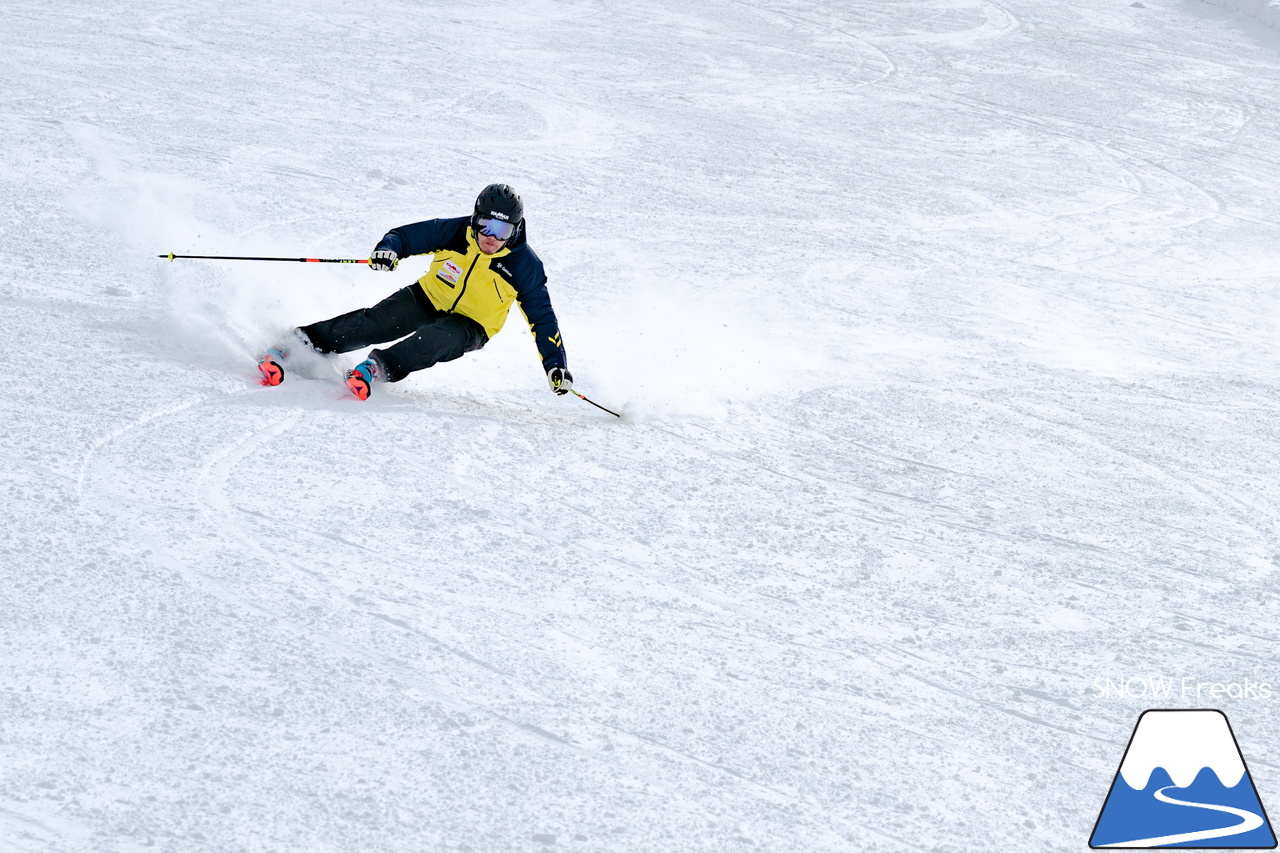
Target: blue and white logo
(1183, 783)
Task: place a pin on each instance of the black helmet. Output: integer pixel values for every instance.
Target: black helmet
(498, 201)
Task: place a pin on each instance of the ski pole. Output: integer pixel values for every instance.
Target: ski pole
(171, 256)
(594, 403)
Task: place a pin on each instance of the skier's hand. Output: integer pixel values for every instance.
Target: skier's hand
(560, 380)
(383, 259)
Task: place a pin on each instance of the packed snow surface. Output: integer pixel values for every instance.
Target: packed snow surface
(945, 332)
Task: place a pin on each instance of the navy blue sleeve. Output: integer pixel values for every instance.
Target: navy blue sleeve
(422, 238)
(535, 302)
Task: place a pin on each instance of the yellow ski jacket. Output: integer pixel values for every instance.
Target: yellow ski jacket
(463, 280)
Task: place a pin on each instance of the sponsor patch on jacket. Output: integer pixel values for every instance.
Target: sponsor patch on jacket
(449, 273)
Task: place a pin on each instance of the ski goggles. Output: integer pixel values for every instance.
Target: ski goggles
(495, 228)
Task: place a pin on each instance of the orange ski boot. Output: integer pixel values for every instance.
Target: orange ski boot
(271, 365)
(360, 379)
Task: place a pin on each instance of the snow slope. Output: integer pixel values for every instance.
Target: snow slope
(1267, 11)
(945, 329)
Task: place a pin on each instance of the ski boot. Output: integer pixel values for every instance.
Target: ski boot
(360, 379)
(296, 347)
(271, 365)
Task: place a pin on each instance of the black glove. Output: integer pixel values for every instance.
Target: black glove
(383, 259)
(560, 379)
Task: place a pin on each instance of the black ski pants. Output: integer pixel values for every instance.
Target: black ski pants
(433, 335)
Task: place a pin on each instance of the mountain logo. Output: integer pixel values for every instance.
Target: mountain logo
(1183, 783)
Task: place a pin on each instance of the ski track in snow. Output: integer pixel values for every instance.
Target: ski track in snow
(945, 334)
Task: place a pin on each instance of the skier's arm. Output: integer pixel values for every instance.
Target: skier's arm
(418, 238)
(535, 303)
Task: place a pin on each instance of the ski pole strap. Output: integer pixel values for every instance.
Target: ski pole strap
(594, 403)
(171, 256)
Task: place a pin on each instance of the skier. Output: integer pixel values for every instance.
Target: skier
(481, 264)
